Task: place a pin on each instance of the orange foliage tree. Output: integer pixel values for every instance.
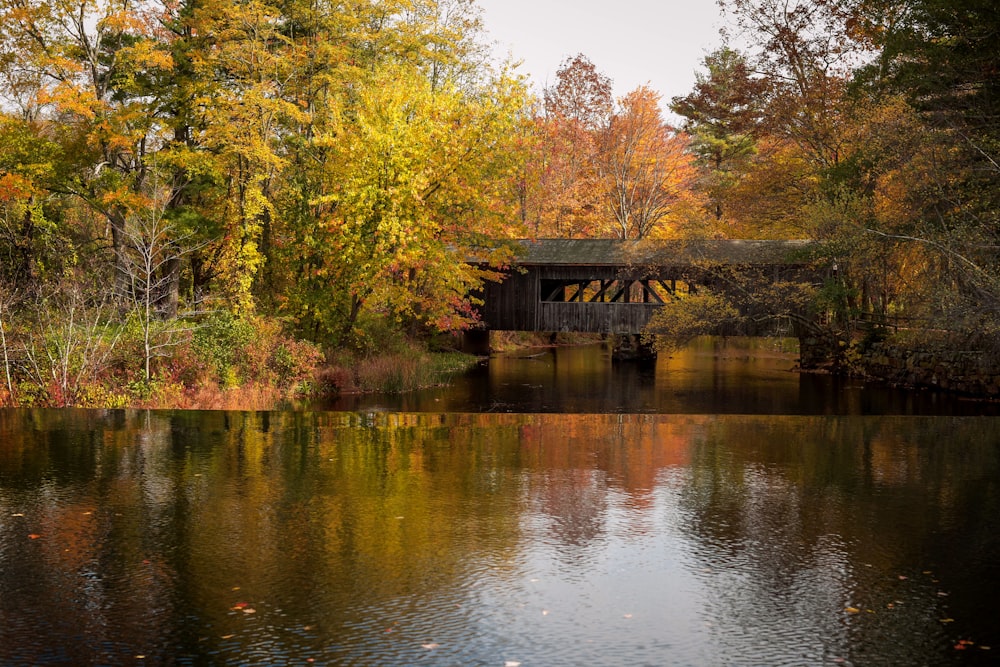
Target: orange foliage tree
(563, 197)
(646, 170)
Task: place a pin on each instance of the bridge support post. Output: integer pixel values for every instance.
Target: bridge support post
(476, 341)
(626, 347)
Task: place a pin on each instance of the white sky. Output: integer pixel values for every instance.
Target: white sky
(635, 42)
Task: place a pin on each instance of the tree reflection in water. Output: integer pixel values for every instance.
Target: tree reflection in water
(613, 539)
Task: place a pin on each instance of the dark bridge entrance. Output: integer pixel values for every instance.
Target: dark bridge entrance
(614, 287)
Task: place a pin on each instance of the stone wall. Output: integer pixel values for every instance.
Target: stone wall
(966, 372)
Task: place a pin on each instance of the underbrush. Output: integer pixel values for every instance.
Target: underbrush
(223, 362)
(220, 362)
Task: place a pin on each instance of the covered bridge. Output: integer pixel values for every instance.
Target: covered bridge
(614, 287)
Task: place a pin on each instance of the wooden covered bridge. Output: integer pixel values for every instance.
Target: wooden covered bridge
(614, 287)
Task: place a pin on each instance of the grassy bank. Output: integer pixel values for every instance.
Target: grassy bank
(220, 362)
(394, 372)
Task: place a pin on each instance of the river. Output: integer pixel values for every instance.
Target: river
(711, 509)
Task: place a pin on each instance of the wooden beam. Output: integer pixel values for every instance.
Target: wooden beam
(552, 296)
(621, 291)
(648, 292)
(605, 284)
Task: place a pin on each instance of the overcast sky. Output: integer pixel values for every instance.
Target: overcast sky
(635, 42)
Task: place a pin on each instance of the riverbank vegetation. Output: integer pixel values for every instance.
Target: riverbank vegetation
(208, 203)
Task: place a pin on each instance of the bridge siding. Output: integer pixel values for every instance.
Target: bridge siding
(610, 318)
(513, 304)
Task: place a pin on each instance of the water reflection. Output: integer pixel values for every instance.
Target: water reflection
(710, 376)
(388, 539)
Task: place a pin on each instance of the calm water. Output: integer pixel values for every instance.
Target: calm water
(449, 538)
(711, 376)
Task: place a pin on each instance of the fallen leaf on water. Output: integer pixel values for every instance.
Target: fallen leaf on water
(249, 610)
(985, 648)
(239, 605)
(903, 577)
(429, 647)
(927, 572)
(227, 636)
(942, 594)
(852, 610)
(947, 620)
(33, 536)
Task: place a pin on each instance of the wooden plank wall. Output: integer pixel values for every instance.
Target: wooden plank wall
(513, 304)
(611, 318)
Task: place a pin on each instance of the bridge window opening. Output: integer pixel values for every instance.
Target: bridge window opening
(645, 291)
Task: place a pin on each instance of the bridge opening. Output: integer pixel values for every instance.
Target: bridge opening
(613, 290)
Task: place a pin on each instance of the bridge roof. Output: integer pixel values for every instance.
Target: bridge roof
(613, 252)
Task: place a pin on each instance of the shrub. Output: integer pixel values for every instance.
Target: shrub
(294, 362)
(255, 352)
(220, 340)
(678, 322)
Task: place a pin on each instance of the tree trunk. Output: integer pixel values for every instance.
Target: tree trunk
(116, 219)
(169, 297)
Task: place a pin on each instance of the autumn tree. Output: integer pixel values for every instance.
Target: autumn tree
(31, 246)
(880, 112)
(415, 181)
(154, 247)
(940, 57)
(646, 169)
(806, 54)
(564, 195)
(326, 161)
(88, 66)
(581, 93)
